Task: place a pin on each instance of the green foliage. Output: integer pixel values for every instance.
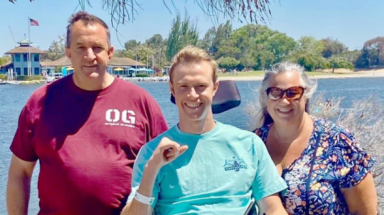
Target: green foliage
(310, 45)
(3, 77)
(131, 44)
(29, 78)
(4, 60)
(372, 54)
(340, 63)
(142, 75)
(309, 61)
(228, 62)
(229, 51)
(182, 33)
(351, 56)
(141, 53)
(256, 47)
(119, 53)
(332, 47)
(57, 48)
(58, 69)
(214, 36)
(159, 46)
(280, 45)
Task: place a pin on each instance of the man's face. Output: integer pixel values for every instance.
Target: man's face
(89, 52)
(193, 89)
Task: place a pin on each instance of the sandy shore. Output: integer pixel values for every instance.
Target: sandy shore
(337, 74)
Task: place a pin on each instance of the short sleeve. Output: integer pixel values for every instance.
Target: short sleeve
(352, 162)
(267, 180)
(22, 145)
(137, 174)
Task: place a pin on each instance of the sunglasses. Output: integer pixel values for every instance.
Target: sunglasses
(275, 93)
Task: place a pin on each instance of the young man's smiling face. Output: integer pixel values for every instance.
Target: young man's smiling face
(193, 88)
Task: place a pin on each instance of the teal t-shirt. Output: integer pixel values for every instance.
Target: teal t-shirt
(220, 173)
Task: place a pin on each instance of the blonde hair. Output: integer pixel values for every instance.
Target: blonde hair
(192, 54)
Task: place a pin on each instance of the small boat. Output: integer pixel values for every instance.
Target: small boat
(13, 82)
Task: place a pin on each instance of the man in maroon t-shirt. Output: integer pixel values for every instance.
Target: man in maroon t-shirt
(85, 129)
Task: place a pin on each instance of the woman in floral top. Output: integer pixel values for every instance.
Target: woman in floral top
(325, 169)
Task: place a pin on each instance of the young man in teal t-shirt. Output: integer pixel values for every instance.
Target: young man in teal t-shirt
(201, 166)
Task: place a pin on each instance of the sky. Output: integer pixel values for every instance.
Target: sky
(352, 22)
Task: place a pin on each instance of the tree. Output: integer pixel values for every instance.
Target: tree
(340, 63)
(247, 61)
(280, 45)
(156, 41)
(131, 44)
(207, 42)
(308, 54)
(144, 54)
(228, 62)
(351, 56)
(372, 53)
(182, 33)
(229, 51)
(57, 48)
(332, 47)
(159, 46)
(120, 53)
(310, 45)
(214, 36)
(264, 59)
(4, 60)
(309, 61)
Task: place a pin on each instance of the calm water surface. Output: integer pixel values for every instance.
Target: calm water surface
(13, 98)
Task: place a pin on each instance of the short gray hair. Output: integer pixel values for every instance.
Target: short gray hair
(263, 117)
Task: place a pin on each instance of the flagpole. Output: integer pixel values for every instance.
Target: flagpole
(29, 48)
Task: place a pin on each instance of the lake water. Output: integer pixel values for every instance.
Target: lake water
(13, 98)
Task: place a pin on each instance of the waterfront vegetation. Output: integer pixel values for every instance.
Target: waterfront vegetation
(261, 73)
(248, 48)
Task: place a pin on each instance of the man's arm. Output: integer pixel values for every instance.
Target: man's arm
(18, 187)
(146, 187)
(271, 205)
(166, 152)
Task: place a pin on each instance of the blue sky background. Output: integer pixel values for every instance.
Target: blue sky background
(350, 21)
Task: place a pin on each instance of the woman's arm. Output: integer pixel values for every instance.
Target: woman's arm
(362, 198)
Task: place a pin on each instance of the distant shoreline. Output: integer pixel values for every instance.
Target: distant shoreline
(337, 75)
(325, 76)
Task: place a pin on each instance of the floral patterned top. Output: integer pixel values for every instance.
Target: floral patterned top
(331, 160)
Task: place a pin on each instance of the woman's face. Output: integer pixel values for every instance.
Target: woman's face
(285, 110)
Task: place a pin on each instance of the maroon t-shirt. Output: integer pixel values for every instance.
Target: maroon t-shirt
(86, 142)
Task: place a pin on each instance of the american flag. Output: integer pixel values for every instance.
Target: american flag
(33, 22)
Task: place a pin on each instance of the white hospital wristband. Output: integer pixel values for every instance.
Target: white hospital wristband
(144, 199)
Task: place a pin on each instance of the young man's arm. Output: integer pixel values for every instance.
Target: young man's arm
(271, 205)
(166, 152)
(146, 189)
(268, 183)
(18, 187)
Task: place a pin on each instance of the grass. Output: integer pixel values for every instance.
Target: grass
(258, 73)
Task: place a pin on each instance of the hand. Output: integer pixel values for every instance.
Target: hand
(166, 152)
